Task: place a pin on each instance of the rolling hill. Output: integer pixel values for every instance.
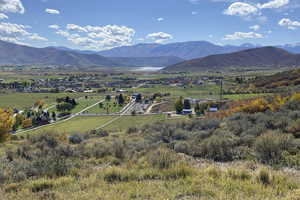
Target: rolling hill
(257, 57)
(281, 79)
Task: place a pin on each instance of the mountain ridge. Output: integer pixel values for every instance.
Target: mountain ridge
(15, 54)
(257, 57)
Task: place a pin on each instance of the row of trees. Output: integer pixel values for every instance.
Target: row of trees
(65, 104)
(182, 104)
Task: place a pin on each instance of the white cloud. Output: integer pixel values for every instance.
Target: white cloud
(242, 35)
(160, 37)
(286, 22)
(52, 11)
(35, 36)
(98, 37)
(241, 9)
(194, 13)
(63, 33)
(274, 4)
(3, 16)
(54, 26)
(74, 27)
(255, 27)
(160, 19)
(14, 6)
(247, 9)
(17, 33)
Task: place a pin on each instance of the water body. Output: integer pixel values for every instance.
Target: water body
(152, 69)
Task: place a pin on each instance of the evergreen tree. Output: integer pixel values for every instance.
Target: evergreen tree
(179, 105)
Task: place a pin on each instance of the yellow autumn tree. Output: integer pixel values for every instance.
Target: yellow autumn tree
(278, 102)
(27, 123)
(6, 123)
(295, 97)
(257, 105)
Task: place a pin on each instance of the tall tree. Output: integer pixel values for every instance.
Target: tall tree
(6, 123)
(179, 105)
(121, 99)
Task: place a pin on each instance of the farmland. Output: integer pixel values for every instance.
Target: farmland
(132, 137)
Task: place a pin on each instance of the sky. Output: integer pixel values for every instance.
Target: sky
(104, 24)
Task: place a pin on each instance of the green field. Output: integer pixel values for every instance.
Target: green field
(112, 108)
(82, 103)
(75, 125)
(207, 91)
(84, 124)
(25, 100)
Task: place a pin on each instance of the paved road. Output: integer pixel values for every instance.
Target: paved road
(61, 121)
(122, 113)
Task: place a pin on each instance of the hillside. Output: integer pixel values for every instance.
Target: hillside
(18, 54)
(258, 57)
(14, 54)
(282, 79)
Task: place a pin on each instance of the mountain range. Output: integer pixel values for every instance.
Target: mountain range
(256, 57)
(14, 54)
(185, 50)
(140, 55)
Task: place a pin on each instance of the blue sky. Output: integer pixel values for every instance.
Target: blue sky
(104, 24)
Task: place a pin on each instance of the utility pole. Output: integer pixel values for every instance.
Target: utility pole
(221, 90)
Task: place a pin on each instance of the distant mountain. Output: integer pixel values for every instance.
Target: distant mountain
(293, 48)
(139, 50)
(73, 50)
(15, 54)
(185, 50)
(18, 54)
(257, 57)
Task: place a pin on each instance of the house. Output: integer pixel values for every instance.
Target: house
(135, 95)
(121, 91)
(187, 111)
(88, 91)
(213, 109)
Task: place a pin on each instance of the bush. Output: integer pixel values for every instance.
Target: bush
(41, 185)
(182, 147)
(264, 177)
(269, 147)
(218, 147)
(116, 175)
(162, 158)
(76, 139)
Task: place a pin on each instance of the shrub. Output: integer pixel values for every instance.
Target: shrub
(181, 147)
(239, 174)
(41, 185)
(270, 147)
(218, 147)
(264, 177)
(116, 175)
(132, 130)
(176, 172)
(76, 139)
(162, 158)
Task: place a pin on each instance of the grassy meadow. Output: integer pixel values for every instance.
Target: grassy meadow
(26, 100)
